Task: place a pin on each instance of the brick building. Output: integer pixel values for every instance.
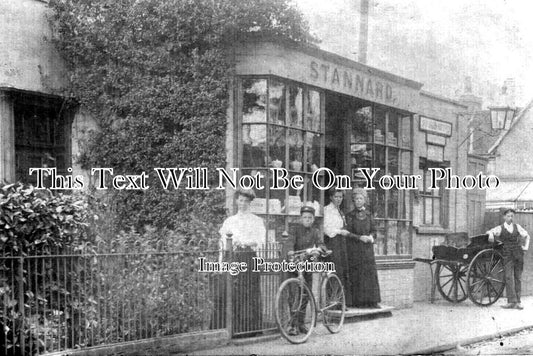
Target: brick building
(291, 106)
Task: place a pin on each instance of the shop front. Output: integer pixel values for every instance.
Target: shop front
(304, 109)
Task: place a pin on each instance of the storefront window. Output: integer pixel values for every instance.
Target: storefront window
(434, 201)
(381, 138)
(282, 127)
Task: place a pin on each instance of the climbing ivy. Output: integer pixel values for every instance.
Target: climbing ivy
(155, 76)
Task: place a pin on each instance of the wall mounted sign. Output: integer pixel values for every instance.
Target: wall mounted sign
(435, 139)
(435, 153)
(438, 127)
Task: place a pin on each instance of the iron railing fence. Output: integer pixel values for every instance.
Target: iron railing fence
(81, 299)
(60, 302)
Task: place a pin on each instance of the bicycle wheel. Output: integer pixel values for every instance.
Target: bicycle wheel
(295, 310)
(333, 303)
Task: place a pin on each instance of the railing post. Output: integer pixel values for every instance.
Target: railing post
(20, 296)
(229, 285)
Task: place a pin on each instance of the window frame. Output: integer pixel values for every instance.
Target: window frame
(425, 194)
(386, 145)
(287, 217)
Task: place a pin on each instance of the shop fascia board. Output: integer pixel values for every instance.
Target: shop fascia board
(307, 64)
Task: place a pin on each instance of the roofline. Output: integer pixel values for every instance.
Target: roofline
(313, 50)
(521, 114)
(442, 98)
(32, 92)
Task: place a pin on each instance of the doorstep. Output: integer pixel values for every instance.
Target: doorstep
(359, 314)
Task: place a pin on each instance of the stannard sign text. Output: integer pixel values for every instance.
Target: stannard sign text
(346, 80)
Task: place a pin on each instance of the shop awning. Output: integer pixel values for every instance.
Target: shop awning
(511, 192)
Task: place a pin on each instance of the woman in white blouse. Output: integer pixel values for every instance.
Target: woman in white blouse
(247, 232)
(336, 233)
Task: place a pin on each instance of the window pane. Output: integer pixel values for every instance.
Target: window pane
(405, 163)
(254, 145)
(362, 125)
(403, 240)
(405, 131)
(428, 211)
(312, 151)
(403, 204)
(392, 129)
(378, 202)
(379, 122)
(436, 211)
(392, 168)
(379, 161)
(296, 146)
(277, 102)
(392, 235)
(277, 146)
(361, 157)
(275, 228)
(312, 195)
(392, 204)
(254, 100)
(379, 247)
(296, 106)
(312, 115)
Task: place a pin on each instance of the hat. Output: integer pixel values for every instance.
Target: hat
(249, 193)
(509, 210)
(307, 209)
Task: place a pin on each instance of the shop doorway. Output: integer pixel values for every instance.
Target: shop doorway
(347, 123)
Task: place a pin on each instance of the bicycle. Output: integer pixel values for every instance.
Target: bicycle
(295, 305)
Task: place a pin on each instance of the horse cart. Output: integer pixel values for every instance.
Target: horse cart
(475, 271)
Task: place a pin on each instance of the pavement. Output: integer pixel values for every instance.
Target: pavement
(423, 329)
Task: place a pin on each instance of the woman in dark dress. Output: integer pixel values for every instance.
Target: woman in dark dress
(361, 261)
(248, 233)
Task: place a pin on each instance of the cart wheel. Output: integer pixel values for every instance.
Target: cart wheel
(485, 280)
(332, 303)
(451, 281)
(294, 303)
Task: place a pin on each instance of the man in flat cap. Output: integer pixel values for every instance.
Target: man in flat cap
(515, 241)
(304, 236)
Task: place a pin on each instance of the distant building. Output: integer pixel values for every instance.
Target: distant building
(512, 162)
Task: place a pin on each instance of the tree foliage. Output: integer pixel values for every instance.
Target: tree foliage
(155, 76)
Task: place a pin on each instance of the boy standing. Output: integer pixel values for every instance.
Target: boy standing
(304, 236)
(515, 241)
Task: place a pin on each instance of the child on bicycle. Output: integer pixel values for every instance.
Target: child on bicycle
(304, 236)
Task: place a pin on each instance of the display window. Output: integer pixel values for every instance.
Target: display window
(281, 125)
(382, 138)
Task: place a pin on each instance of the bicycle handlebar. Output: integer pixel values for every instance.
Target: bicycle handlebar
(314, 252)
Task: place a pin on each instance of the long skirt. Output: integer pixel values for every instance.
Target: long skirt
(246, 300)
(339, 257)
(246, 295)
(364, 285)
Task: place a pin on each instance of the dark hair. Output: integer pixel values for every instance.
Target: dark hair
(248, 193)
(332, 192)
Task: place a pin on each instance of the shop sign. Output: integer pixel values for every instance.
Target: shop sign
(435, 153)
(435, 139)
(438, 127)
(348, 80)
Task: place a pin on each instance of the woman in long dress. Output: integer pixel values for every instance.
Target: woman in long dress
(360, 248)
(247, 232)
(335, 239)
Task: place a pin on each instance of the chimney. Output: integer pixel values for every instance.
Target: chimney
(363, 32)
(468, 85)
